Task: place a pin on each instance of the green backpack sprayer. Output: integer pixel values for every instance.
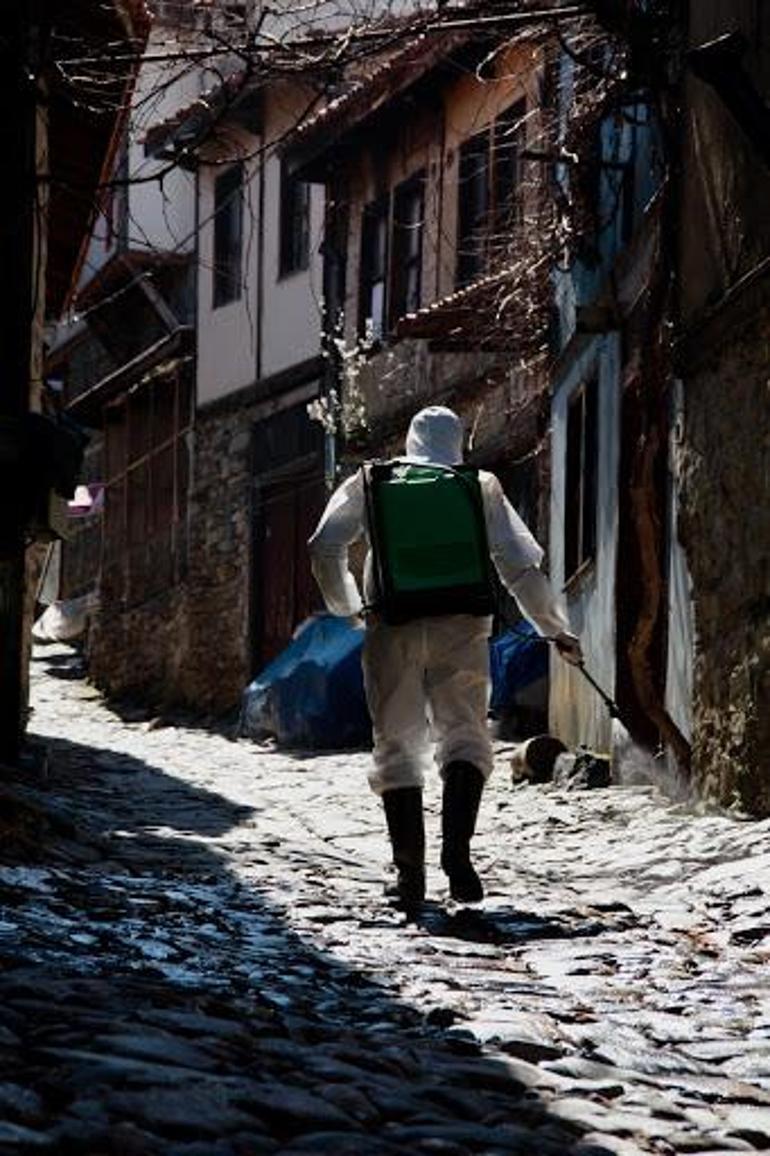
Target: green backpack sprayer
(429, 540)
(429, 546)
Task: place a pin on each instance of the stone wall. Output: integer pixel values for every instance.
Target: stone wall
(194, 644)
(726, 531)
(136, 652)
(220, 552)
(724, 304)
(506, 410)
(190, 645)
(403, 377)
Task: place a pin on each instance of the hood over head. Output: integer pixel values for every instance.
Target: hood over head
(435, 435)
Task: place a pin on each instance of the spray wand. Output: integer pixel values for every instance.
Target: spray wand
(612, 706)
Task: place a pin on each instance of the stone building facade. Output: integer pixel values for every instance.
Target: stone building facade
(198, 613)
(211, 462)
(726, 526)
(431, 209)
(724, 354)
(193, 632)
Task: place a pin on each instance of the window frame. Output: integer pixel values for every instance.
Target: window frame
(496, 212)
(473, 218)
(293, 223)
(372, 273)
(227, 255)
(506, 161)
(581, 473)
(406, 256)
(396, 256)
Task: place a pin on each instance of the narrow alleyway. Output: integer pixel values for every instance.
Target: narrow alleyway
(206, 967)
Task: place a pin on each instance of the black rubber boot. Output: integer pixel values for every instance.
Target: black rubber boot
(403, 812)
(463, 785)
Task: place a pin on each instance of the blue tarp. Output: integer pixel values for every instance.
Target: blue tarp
(517, 658)
(312, 695)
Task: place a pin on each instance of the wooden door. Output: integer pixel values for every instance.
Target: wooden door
(287, 592)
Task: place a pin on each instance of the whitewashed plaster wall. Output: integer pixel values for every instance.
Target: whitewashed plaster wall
(291, 309)
(276, 323)
(291, 305)
(162, 211)
(228, 335)
(577, 714)
(161, 216)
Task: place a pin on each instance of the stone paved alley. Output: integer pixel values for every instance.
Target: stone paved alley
(206, 966)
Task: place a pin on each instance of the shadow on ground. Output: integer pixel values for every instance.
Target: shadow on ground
(152, 1003)
(501, 927)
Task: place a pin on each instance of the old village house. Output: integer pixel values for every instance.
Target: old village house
(435, 282)
(550, 233)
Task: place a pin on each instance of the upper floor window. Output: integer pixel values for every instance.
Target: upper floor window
(508, 142)
(228, 235)
(294, 226)
(473, 208)
(489, 193)
(408, 221)
(581, 478)
(374, 270)
(391, 257)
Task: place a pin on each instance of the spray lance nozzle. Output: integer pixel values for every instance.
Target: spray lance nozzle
(612, 706)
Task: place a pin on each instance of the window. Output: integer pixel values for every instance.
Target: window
(473, 214)
(294, 226)
(489, 200)
(335, 253)
(372, 320)
(228, 235)
(506, 165)
(581, 491)
(391, 257)
(408, 221)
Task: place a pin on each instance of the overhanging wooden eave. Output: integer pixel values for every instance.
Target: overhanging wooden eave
(88, 407)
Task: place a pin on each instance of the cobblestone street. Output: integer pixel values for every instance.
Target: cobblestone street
(206, 966)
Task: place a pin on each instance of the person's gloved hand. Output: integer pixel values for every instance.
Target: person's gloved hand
(568, 646)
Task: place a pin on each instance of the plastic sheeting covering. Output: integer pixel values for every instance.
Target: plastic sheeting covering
(65, 621)
(312, 695)
(517, 659)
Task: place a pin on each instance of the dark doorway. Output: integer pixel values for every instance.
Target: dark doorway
(642, 588)
(289, 492)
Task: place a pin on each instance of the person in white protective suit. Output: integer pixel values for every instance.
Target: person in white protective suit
(429, 678)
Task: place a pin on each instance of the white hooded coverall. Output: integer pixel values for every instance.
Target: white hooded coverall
(429, 678)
